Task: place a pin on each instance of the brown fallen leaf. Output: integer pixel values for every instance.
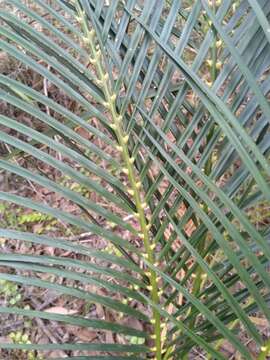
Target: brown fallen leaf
(109, 337)
(60, 310)
(259, 321)
(83, 334)
(58, 354)
(133, 323)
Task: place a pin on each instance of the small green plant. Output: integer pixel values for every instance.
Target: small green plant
(33, 217)
(10, 292)
(21, 338)
(135, 340)
(8, 215)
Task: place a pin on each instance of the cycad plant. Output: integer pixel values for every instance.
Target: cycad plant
(149, 121)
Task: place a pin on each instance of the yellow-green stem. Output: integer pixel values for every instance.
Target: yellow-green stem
(135, 186)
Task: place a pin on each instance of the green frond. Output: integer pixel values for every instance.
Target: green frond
(151, 120)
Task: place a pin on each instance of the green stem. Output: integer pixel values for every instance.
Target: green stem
(135, 185)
